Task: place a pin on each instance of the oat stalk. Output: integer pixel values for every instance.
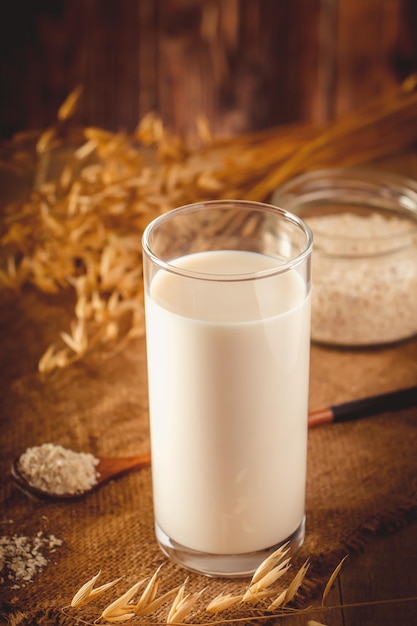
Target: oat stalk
(263, 587)
(75, 230)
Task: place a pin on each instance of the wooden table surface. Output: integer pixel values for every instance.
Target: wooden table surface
(375, 588)
(378, 586)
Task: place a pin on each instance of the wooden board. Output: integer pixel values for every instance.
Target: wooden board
(245, 64)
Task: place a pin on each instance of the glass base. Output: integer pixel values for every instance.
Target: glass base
(223, 565)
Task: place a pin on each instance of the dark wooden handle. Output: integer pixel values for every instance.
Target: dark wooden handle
(364, 407)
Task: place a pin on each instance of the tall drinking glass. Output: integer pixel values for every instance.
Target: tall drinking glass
(227, 296)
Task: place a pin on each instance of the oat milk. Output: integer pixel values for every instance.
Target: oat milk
(228, 365)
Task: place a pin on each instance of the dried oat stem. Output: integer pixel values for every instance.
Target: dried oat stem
(124, 611)
(81, 227)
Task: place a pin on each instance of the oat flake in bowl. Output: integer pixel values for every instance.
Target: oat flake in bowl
(365, 254)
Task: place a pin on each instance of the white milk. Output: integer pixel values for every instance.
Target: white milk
(228, 367)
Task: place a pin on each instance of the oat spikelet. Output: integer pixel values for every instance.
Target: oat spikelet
(86, 593)
(332, 579)
(182, 605)
(178, 598)
(10, 277)
(410, 83)
(223, 602)
(44, 142)
(77, 341)
(208, 182)
(6, 280)
(289, 594)
(278, 602)
(53, 359)
(150, 129)
(68, 107)
(297, 582)
(158, 602)
(120, 610)
(149, 593)
(203, 129)
(271, 561)
(267, 580)
(85, 150)
(44, 364)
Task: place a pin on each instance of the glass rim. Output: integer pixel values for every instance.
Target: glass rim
(249, 205)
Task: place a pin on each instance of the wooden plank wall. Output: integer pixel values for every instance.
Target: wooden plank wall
(245, 64)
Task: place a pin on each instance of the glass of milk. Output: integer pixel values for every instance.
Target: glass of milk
(227, 297)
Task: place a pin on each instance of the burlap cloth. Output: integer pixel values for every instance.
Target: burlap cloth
(362, 476)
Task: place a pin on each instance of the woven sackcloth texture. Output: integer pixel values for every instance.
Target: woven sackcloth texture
(362, 476)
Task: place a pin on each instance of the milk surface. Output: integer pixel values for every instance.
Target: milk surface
(228, 365)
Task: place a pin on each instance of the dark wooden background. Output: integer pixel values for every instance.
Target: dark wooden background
(245, 64)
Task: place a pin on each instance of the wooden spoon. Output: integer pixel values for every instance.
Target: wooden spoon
(107, 469)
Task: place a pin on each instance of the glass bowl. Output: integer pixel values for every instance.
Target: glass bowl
(364, 224)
